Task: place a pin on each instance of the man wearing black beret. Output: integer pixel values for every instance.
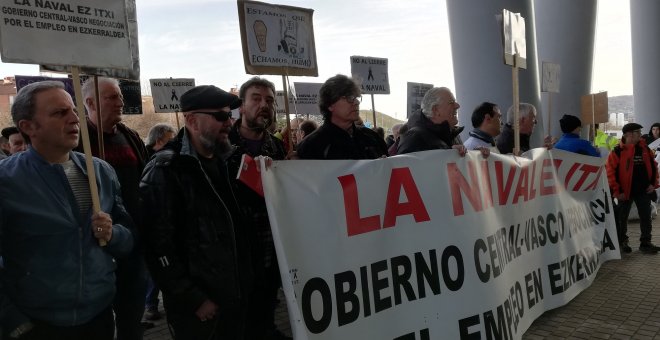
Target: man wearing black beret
(633, 177)
(195, 246)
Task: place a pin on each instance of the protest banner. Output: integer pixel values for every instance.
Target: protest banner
(416, 92)
(167, 91)
(96, 30)
(277, 39)
(306, 99)
(437, 246)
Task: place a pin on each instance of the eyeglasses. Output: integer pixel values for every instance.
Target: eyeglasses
(353, 99)
(221, 116)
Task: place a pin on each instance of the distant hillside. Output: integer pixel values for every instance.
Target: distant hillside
(621, 104)
(382, 120)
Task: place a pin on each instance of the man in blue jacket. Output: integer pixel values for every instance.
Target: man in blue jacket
(570, 140)
(57, 281)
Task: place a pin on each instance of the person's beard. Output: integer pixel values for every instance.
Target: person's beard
(253, 125)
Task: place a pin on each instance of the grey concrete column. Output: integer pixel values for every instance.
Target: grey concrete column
(479, 70)
(645, 31)
(565, 35)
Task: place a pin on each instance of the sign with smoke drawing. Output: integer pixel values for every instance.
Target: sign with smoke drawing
(277, 39)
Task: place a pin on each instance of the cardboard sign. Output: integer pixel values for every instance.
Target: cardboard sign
(167, 92)
(133, 73)
(280, 108)
(132, 93)
(550, 77)
(416, 92)
(371, 73)
(594, 108)
(22, 81)
(92, 33)
(306, 100)
(515, 46)
(277, 39)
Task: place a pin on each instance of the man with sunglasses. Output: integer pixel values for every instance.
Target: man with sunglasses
(195, 243)
(339, 137)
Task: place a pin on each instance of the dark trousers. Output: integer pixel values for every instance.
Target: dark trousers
(263, 302)
(151, 302)
(230, 322)
(129, 301)
(102, 327)
(643, 204)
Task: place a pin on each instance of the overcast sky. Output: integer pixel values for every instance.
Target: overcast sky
(200, 39)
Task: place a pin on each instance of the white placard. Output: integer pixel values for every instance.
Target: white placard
(307, 98)
(167, 93)
(90, 33)
(416, 92)
(277, 39)
(279, 101)
(432, 245)
(551, 77)
(515, 45)
(371, 73)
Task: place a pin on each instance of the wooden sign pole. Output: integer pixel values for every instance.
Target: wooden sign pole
(516, 109)
(99, 125)
(91, 173)
(549, 113)
(286, 109)
(373, 108)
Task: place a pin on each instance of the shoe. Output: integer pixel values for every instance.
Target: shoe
(152, 315)
(625, 247)
(648, 248)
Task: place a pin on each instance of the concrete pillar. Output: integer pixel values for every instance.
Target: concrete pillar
(565, 35)
(478, 55)
(645, 31)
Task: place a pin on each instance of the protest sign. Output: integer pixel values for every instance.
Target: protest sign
(166, 93)
(307, 98)
(92, 33)
(513, 32)
(594, 108)
(550, 77)
(132, 92)
(277, 39)
(279, 102)
(416, 92)
(22, 81)
(371, 74)
(133, 73)
(436, 244)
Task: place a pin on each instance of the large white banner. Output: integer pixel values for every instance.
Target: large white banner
(434, 246)
(92, 33)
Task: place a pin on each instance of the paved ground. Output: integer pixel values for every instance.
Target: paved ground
(622, 303)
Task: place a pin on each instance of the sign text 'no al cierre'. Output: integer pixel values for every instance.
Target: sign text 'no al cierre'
(91, 33)
(167, 92)
(277, 39)
(371, 73)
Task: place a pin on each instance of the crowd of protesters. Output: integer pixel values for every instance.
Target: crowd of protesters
(174, 219)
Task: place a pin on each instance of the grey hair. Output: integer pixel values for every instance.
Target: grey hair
(88, 88)
(158, 131)
(432, 98)
(24, 102)
(525, 109)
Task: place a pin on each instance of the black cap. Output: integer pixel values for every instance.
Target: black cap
(569, 123)
(208, 97)
(8, 131)
(631, 127)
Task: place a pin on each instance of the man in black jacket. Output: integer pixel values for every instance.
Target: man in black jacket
(125, 151)
(434, 127)
(195, 245)
(339, 137)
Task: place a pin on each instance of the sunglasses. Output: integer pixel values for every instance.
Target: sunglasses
(221, 116)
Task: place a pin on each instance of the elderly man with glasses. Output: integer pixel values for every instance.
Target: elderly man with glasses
(339, 137)
(195, 242)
